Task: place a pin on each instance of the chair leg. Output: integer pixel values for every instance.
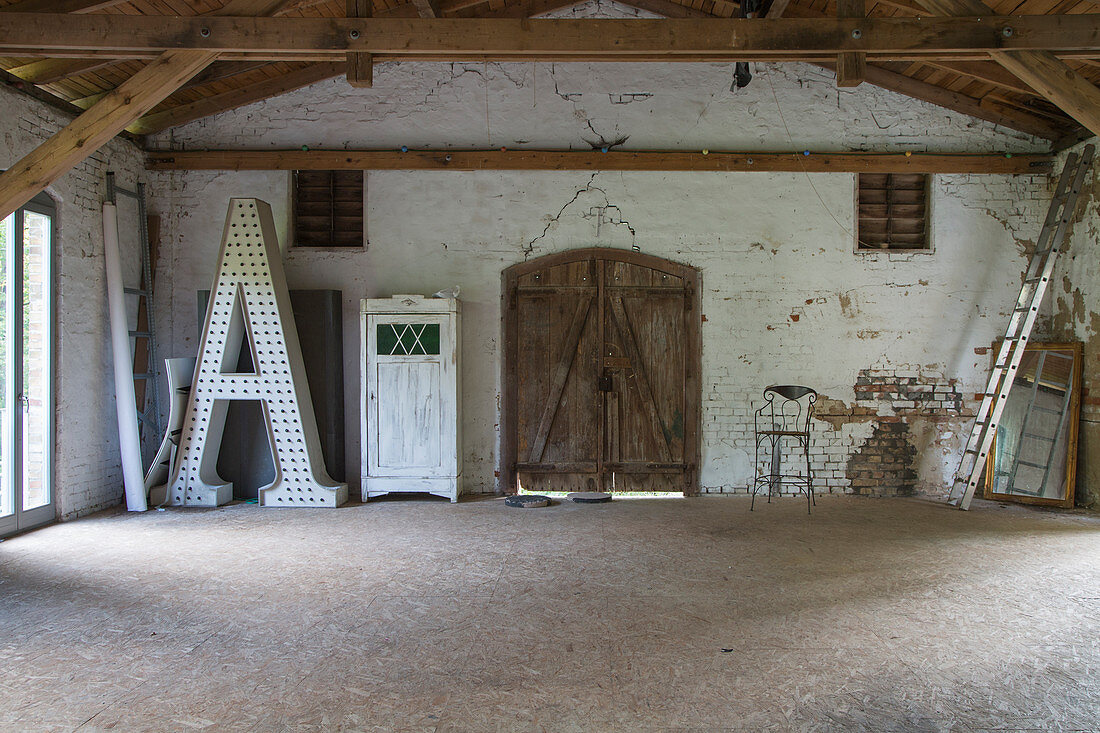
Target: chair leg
(809, 479)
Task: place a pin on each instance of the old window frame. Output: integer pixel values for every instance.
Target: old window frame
(867, 243)
(354, 225)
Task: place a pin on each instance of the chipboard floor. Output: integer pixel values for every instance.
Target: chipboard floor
(693, 614)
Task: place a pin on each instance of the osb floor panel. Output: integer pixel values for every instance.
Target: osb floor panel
(636, 615)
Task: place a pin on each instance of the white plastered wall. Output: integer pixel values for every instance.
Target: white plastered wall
(784, 296)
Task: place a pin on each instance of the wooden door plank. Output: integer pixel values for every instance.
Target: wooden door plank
(92, 129)
(559, 377)
(649, 401)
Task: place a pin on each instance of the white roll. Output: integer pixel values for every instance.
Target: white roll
(125, 402)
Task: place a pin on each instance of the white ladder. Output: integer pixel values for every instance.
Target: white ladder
(1036, 278)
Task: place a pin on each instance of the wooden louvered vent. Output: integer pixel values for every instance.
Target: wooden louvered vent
(893, 211)
(328, 208)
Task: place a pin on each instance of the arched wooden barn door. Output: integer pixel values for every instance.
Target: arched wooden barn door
(601, 373)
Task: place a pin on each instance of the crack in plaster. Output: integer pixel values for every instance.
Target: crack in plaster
(599, 213)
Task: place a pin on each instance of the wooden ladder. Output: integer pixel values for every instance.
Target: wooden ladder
(1011, 352)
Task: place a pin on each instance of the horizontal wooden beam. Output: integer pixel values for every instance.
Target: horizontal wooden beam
(715, 38)
(584, 160)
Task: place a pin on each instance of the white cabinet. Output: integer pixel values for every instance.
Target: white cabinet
(411, 406)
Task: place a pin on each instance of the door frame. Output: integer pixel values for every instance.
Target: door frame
(22, 520)
(506, 475)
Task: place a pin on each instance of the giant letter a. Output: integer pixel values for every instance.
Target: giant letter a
(250, 301)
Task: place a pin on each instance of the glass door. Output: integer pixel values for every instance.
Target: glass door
(26, 367)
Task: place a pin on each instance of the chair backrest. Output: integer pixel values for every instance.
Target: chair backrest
(787, 407)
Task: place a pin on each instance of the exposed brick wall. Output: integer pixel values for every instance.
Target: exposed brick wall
(883, 465)
(87, 471)
(908, 393)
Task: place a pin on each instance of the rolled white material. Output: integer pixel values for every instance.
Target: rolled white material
(125, 401)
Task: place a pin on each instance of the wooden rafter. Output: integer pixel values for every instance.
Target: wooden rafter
(583, 39)
(907, 85)
(615, 160)
(48, 71)
(60, 6)
(225, 101)
(1051, 77)
(428, 8)
(220, 70)
(88, 132)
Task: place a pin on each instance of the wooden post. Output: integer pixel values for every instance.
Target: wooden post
(91, 130)
(360, 71)
(850, 65)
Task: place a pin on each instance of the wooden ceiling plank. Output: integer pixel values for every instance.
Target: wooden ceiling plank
(236, 98)
(1042, 71)
(615, 160)
(523, 39)
(60, 6)
(48, 71)
(222, 70)
(850, 65)
(985, 71)
(92, 129)
(777, 8)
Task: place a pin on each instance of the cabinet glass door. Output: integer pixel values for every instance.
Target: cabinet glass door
(26, 367)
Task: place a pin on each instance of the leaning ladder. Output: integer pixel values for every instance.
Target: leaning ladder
(144, 368)
(1011, 352)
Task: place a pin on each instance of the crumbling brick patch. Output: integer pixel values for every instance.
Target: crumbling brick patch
(909, 393)
(883, 465)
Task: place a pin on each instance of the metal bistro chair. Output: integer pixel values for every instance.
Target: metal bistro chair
(785, 414)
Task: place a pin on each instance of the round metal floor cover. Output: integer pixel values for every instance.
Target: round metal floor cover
(527, 501)
(589, 497)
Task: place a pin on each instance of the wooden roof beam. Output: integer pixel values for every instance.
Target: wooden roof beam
(88, 132)
(615, 160)
(523, 39)
(1042, 71)
(910, 87)
(225, 101)
(428, 8)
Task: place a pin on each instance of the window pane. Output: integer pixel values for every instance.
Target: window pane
(407, 339)
(36, 360)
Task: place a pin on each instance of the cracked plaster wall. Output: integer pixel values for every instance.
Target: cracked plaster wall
(88, 475)
(784, 296)
(1073, 314)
